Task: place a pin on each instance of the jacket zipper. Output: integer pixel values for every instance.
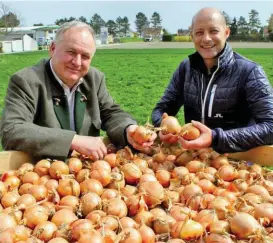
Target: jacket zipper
(211, 99)
(206, 94)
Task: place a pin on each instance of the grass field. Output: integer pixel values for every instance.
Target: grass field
(136, 78)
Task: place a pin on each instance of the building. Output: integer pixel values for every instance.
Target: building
(150, 33)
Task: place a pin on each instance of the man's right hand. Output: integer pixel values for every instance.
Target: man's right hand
(89, 146)
(168, 138)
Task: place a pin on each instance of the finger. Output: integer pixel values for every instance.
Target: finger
(103, 149)
(100, 154)
(200, 126)
(94, 156)
(173, 139)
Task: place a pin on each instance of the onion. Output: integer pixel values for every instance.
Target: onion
(218, 238)
(58, 240)
(264, 210)
(12, 182)
(163, 224)
(96, 216)
(115, 207)
(184, 158)
(63, 216)
(147, 177)
(144, 217)
(129, 190)
(25, 200)
(191, 230)
(7, 221)
(74, 165)
(127, 222)
(109, 194)
(35, 215)
(147, 234)
(81, 227)
(261, 191)
(9, 199)
(190, 132)
(153, 193)
(190, 190)
(206, 218)
(170, 124)
(68, 187)
(39, 192)
(70, 201)
(227, 173)
(111, 159)
(220, 205)
(219, 161)
(45, 231)
(219, 226)
(130, 235)
(179, 172)
(132, 173)
(57, 169)
(42, 167)
(206, 186)
(90, 202)
(101, 171)
(31, 177)
(110, 222)
(83, 175)
(142, 134)
(24, 189)
(243, 225)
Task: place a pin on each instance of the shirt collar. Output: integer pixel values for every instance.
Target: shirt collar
(65, 87)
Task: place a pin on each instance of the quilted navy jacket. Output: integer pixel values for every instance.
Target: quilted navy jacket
(235, 100)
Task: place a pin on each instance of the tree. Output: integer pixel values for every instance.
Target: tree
(83, 19)
(40, 24)
(97, 22)
(8, 18)
(233, 27)
(270, 27)
(254, 21)
(227, 18)
(112, 27)
(119, 21)
(125, 26)
(156, 20)
(141, 22)
(242, 26)
(64, 20)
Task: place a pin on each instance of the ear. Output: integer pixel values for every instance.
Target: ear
(227, 32)
(52, 48)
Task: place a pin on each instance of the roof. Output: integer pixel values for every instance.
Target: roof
(49, 27)
(28, 28)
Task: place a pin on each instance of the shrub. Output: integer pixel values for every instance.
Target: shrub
(186, 38)
(1, 47)
(167, 38)
(130, 39)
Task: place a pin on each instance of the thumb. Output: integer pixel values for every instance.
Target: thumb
(200, 126)
(131, 129)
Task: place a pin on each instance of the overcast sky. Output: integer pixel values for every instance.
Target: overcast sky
(174, 14)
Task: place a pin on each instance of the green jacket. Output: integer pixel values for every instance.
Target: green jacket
(36, 114)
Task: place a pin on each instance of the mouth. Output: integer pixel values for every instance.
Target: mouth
(74, 70)
(208, 47)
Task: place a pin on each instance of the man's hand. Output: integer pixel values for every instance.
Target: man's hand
(203, 141)
(141, 147)
(168, 138)
(90, 146)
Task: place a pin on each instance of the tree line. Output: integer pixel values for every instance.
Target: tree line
(242, 28)
(120, 26)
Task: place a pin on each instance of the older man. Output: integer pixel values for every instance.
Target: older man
(227, 96)
(60, 104)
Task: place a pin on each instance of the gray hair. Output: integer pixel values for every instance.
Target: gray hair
(75, 23)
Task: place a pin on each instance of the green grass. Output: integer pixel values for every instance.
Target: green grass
(136, 79)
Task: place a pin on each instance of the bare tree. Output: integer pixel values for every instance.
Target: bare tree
(8, 19)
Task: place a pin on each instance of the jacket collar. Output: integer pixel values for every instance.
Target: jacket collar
(225, 58)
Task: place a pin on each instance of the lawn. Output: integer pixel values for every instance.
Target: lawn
(135, 78)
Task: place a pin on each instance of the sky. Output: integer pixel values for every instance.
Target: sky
(174, 14)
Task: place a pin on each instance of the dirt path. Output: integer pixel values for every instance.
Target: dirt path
(151, 45)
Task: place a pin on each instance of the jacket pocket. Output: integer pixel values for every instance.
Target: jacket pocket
(212, 94)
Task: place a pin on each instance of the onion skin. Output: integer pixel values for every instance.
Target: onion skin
(189, 132)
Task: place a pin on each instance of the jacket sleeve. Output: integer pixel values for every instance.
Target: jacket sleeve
(172, 99)
(18, 132)
(114, 119)
(259, 96)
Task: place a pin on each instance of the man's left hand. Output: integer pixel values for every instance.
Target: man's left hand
(203, 141)
(141, 147)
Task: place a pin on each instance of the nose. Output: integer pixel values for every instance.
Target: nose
(77, 60)
(206, 37)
